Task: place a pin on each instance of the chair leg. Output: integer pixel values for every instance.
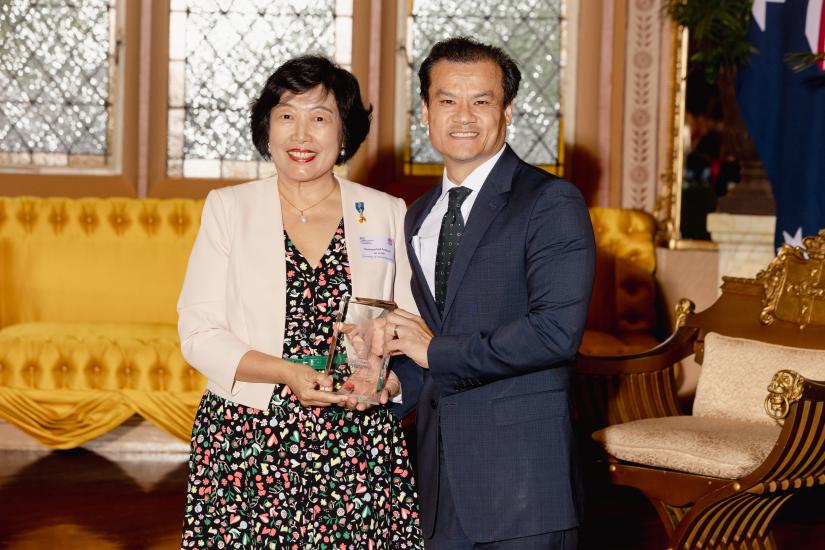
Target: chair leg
(741, 522)
(670, 516)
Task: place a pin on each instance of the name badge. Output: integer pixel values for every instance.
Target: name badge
(378, 248)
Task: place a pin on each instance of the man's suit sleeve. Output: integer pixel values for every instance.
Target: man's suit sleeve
(560, 260)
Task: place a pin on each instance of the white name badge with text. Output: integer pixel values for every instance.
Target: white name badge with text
(378, 248)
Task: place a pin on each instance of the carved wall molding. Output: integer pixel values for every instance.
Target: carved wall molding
(646, 104)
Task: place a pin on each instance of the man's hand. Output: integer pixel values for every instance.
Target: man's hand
(408, 334)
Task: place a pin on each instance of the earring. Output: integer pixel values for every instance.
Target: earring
(343, 151)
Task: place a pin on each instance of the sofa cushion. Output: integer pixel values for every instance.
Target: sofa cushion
(95, 356)
(716, 447)
(736, 372)
(140, 331)
(92, 260)
(597, 342)
(624, 293)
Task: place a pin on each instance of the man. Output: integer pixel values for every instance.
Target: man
(503, 259)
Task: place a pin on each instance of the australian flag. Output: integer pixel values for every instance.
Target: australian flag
(785, 111)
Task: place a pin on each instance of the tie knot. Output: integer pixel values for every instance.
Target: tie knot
(458, 196)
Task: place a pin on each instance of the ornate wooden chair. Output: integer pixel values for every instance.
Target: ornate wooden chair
(757, 433)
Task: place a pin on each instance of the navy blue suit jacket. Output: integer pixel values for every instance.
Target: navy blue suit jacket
(495, 400)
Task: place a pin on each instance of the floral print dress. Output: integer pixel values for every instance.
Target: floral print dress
(297, 477)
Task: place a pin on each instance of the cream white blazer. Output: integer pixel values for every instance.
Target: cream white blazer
(233, 298)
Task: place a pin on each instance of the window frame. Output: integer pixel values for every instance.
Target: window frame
(123, 182)
(377, 61)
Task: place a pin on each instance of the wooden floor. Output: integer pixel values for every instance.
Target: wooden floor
(79, 499)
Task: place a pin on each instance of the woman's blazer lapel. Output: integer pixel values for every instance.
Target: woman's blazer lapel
(263, 271)
(371, 278)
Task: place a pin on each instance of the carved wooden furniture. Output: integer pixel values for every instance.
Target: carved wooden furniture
(757, 434)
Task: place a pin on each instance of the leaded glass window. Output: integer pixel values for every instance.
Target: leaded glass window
(220, 54)
(530, 31)
(58, 83)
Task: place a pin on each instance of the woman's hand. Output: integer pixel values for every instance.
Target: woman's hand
(392, 387)
(311, 387)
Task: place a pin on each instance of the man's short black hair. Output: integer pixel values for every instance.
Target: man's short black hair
(299, 75)
(463, 49)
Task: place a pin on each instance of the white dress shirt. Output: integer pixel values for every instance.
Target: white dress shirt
(425, 243)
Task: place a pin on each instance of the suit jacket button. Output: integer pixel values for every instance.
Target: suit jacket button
(433, 404)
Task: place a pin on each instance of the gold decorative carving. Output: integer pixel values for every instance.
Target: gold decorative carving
(784, 390)
(795, 285)
(668, 202)
(684, 308)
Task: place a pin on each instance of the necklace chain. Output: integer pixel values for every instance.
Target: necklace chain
(301, 211)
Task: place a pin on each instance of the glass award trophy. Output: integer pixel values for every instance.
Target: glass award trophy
(361, 369)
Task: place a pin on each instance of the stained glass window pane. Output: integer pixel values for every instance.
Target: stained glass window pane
(528, 30)
(220, 54)
(57, 83)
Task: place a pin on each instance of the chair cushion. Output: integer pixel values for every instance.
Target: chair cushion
(736, 372)
(716, 447)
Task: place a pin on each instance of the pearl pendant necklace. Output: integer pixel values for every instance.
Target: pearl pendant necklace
(301, 216)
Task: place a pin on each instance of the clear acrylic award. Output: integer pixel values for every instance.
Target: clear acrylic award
(361, 370)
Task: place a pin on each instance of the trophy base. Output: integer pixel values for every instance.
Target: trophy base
(362, 399)
(350, 389)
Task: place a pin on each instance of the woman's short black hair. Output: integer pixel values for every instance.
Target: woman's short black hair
(463, 49)
(299, 75)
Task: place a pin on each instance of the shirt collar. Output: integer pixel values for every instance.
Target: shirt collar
(475, 179)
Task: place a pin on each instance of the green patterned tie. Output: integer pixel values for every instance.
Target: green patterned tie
(452, 227)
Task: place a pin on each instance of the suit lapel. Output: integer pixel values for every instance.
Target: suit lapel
(491, 199)
(418, 273)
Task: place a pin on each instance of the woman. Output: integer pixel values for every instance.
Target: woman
(275, 462)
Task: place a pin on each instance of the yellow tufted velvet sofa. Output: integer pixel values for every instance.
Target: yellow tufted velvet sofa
(88, 333)
(623, 314)
(88, 289)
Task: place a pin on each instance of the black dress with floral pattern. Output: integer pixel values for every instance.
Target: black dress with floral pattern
(297, 477)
